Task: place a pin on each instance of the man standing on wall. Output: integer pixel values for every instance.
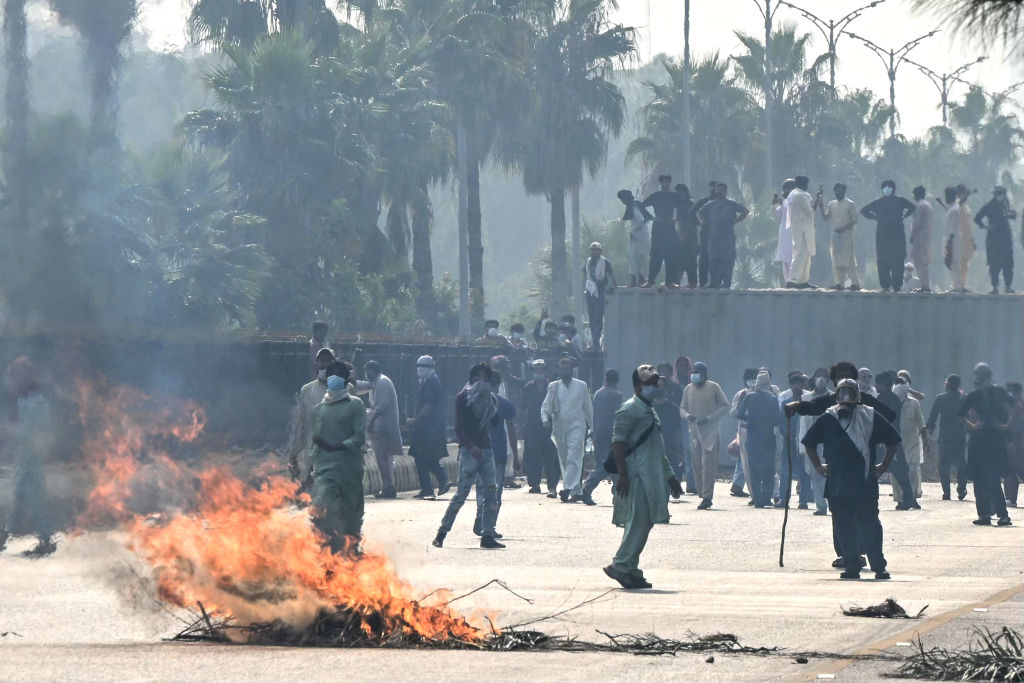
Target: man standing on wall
(842, 216)
(664, 238)
(800, 213)
(994, 218)
(889, 211)
(598, 283)
(921, 238)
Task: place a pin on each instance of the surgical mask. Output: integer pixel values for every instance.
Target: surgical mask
(901, 391)
(695, 377)
(887, 190)
(517, 336)
(750, 384)
(864, 384)
(423, 373)
(819, 383)
(321, 374)
(648, 392)
(492, 331)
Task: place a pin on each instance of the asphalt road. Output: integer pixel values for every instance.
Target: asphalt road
(80, 614)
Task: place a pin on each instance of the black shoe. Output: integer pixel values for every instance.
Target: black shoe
(625, 580)
(497, 535)
(425, 495)
(552, 494)
(478, 528)
(821, 513)
(982, 521)
(914, 505)
(691, 491)
(46, 546)
(961, 495)
(386, 494)
(802, 506)
(1004, 521)
(534, 489)
(3, 539)
(491, 543)
(438, 541)
(792, 285)
(512, 484)
(586, 499)
(945, 496)
(564, 495)
(780, 504)
(705, 504)
(752, 504)
(882, 576)
(575, 499)
(739, 493)
(839, 563)
(444, 488)
(902, 507)
(854, 288)
(863, 561)
(807, 285)
(850, 575)
(639, 582)
(838, 288)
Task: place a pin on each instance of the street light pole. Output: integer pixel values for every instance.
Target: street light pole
(769, 104)
(945, 81)
(832, 30)
(687, 166)
(892, 60)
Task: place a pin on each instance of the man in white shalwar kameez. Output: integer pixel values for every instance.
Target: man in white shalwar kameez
(568, 411)
(800, 214)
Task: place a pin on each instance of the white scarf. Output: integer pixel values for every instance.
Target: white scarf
(859, 430)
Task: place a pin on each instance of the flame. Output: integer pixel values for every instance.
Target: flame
(243, 549)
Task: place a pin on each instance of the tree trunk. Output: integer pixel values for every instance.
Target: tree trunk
(559, 279)
(16, 136)
(397, 228)
(476, 245)
(422, 262)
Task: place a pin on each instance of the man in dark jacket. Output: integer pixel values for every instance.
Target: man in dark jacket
(952, 437)
(994, 218)
(986, 415)
(889, 211)
(539, 455)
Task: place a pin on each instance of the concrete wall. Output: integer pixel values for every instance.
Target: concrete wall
(930, 335)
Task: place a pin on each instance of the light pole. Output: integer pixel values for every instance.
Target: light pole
(892, 60)
(687, 166)
(768, 13)
(945, 81)
(832, 29)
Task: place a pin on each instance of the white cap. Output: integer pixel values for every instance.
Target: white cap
(424, 362)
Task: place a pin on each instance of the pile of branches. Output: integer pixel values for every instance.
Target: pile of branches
(992, 656)
(890, 609)
(637, 644)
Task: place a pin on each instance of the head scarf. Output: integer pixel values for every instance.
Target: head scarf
(483, 404)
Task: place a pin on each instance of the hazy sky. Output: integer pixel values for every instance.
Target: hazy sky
(660, 25)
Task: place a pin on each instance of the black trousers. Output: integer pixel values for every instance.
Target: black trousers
(427, 449)
(1011, 485)
(951, 456)
(898, 468)
(664, 249)
(857, 526)
(595, 312)
(986, 462)
(704, 258)
(540, 459)
(1006, 267)
(890, 270)
(761, 457)
(688, 265)
(721, 273)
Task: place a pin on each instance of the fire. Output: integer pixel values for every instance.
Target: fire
(242, 548)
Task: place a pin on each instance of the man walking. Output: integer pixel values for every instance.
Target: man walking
(428, 437)
(382, 426)
(664, 238)
(912, 428)
(569, 412)
(819, 388)
(339, 434)
(848, 432)
(637, 221)
(300, 439)
(741, 474)
(842, 217)
(994, 218)
(539, 454)
(502, 433)
(903, 491)
(986, 447)
(598, 283)
(921, 238)
(476, 410)
(704, 405)
(889, 211)
(606, 402)
(800, 213)
(644, 478)
(721, 216)
(952, 436)
(761, 413)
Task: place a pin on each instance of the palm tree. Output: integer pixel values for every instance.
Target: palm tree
(981, 20)
(574, 108)
(244, 22)
(103, 26)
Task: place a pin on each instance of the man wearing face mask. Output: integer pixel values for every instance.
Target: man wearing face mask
(986, 415)
(866, 382)
(741, 473)
(900, 470)
(842, 216)
(644, 479)
(569, 412)
(848, 433)
(994, 218)
(912, 430)
(704, 405)
(952, 436)
(889, 211)
(539, 454)
(382, 425)
(300, 439)
(492, 338)
(762, 415)
(606, 401)
(428, 437)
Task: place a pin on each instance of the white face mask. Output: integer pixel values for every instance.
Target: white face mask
(887, 190)
(901, 391)
(492, 331)
(819, 383)
(695, 378)
(322, 374)
(517, 336)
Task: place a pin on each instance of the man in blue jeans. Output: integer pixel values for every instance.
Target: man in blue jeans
(503, 434)
(476, 410)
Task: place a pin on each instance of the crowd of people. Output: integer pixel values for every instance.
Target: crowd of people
(697, 238)
(835, 432)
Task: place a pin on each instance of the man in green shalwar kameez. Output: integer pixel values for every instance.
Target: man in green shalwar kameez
(644, 479)
(339, 430)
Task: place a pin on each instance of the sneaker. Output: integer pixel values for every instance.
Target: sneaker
(1004, 521)
(491, 543)
(444, 488)
(586, 499)
(982, 521)
(438, 541)
(425, 495)
(534, 489)
(850, 575)
(738, 493)
(882, 576)
(625, 580)
(802, 506)
(640, 582)
(705, 504)
(386, 494)
(945, 496)
(821, 513)
(552, 494)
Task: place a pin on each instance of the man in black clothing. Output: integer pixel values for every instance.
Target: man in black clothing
(721, 216)
(689, 243)
(539, 455)
(994, 218)
(952, 437)
(664, 238)
(889, 210)
(703, 259)
(986, 447)
(849, 433)
(900, 470)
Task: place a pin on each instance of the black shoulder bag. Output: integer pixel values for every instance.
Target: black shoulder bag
(609, 462)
